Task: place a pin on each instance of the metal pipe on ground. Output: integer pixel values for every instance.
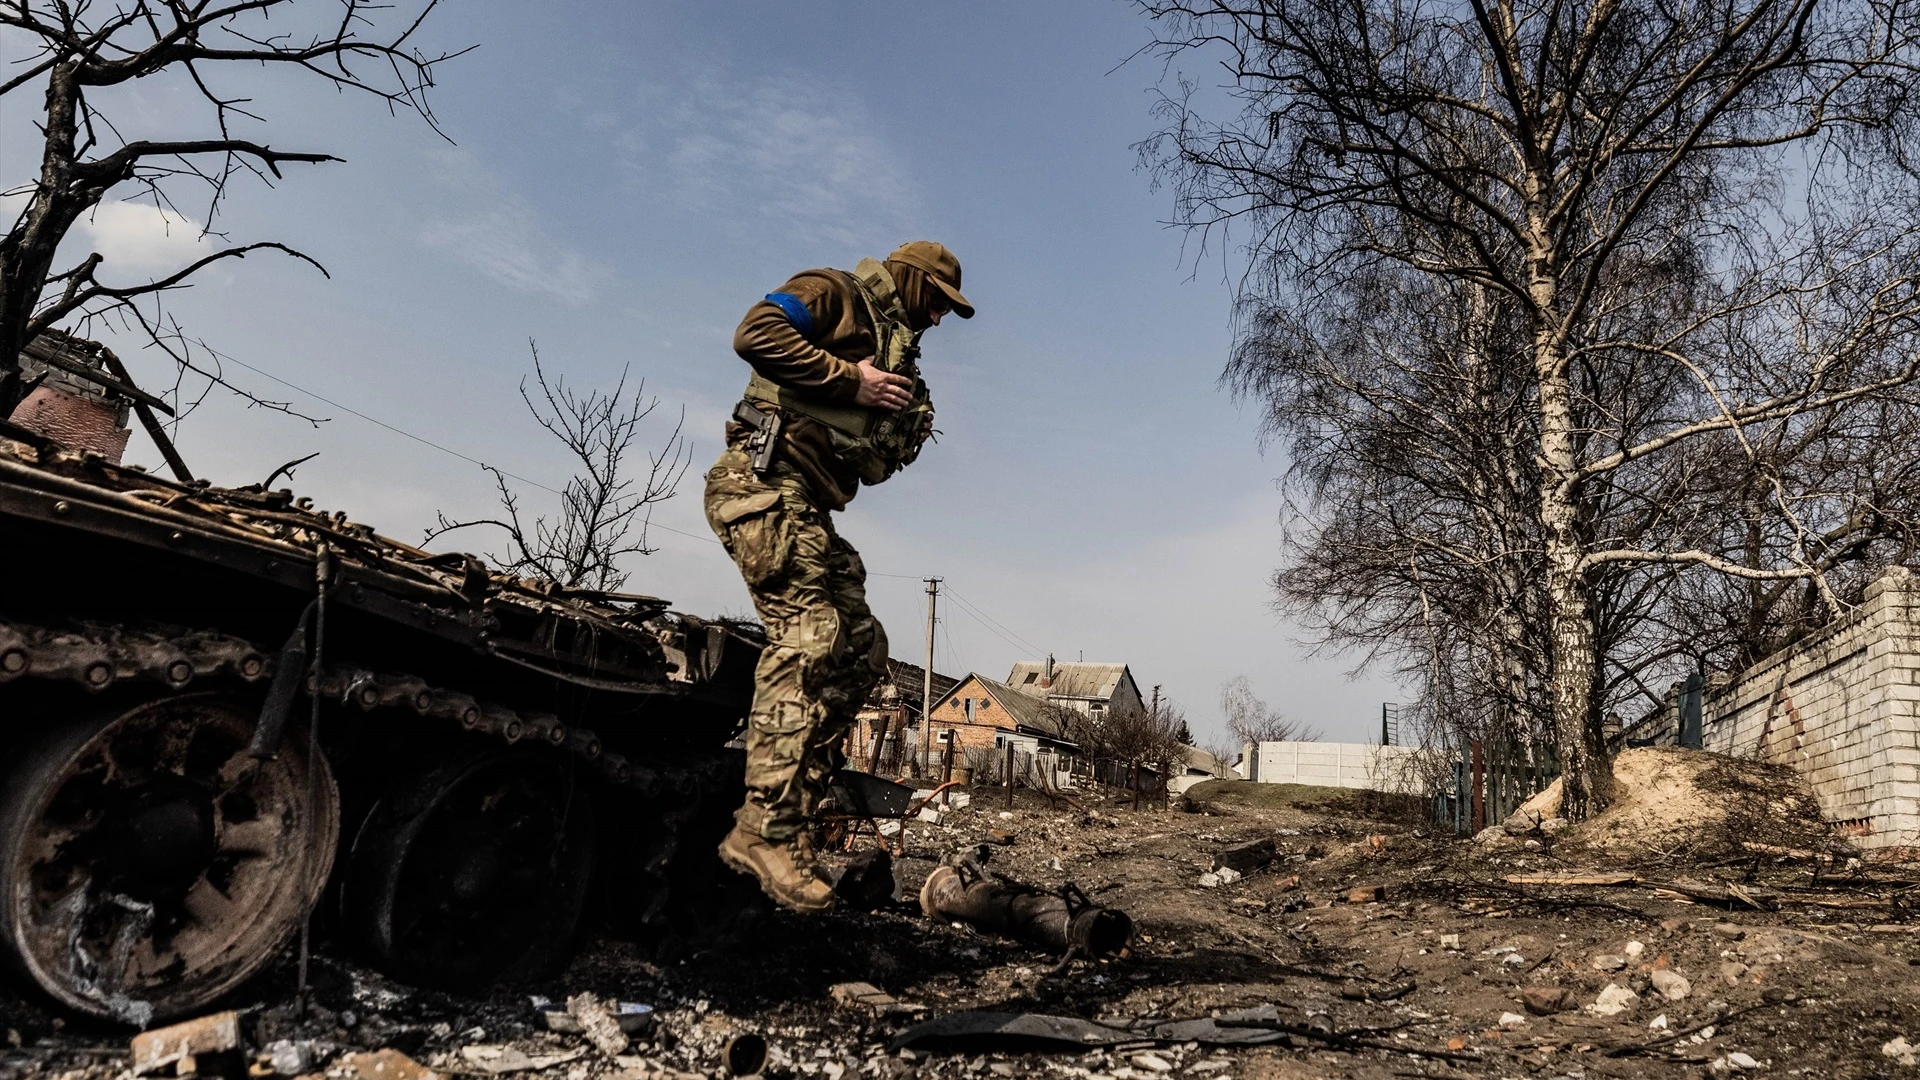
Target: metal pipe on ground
(1066, 922)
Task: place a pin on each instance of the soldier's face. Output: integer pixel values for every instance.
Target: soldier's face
(935, 306)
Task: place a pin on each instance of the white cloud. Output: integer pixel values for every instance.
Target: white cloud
(141, 240)
(505, 243)
(801, 159)
(499, 234)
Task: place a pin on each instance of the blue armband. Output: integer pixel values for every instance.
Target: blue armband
(796, 312)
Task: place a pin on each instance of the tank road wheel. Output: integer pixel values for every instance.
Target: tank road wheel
(149, 865)
(474, 873)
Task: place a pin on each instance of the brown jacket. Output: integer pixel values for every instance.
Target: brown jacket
(820, 364)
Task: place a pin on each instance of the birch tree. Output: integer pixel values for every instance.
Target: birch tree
(1714, 199)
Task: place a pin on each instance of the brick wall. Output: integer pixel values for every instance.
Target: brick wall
(988, 720)
(1842, 707)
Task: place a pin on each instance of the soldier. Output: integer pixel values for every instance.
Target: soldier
(835, 401)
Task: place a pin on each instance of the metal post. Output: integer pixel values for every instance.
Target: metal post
(926, 690)
(1479, 790)
(1690, 727)
(1009, 774)
(947, 776)
(1384, 741)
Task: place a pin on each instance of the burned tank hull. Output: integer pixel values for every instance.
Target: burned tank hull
(224, 713)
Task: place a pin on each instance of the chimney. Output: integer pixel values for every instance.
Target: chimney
(1046, 676)
(79, 414)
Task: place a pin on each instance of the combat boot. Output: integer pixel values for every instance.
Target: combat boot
(784, 871)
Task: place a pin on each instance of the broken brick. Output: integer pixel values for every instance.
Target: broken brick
(1546, 1000)
(179, 1044)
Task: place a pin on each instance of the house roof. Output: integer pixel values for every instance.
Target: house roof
(908, 680)
(1209, 762)
(1025, 710)
(1074, 680)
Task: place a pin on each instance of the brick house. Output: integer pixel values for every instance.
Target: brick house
(980, 715)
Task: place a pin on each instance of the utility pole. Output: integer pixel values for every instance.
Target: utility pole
(1156, 703)
(926, 690)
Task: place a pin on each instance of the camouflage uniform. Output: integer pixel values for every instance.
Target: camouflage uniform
(825, 650)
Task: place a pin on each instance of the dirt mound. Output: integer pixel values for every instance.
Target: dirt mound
(1670, 802)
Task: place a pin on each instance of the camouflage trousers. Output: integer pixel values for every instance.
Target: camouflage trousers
(825, 650)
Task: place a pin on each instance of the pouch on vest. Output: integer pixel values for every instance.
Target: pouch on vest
(875, 442)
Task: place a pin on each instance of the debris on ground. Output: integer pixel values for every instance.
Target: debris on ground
(189, 1047)
(1466, 961)
(597, 1024)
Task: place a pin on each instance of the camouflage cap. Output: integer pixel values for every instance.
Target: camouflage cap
(941, 268)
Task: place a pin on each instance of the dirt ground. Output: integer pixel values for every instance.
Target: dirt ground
(1793, 958)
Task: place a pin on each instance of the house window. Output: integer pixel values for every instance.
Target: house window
(1031, 676)
(984, 702)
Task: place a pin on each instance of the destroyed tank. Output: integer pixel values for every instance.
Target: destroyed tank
(226, 714)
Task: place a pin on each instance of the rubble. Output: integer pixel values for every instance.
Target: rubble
(1671, 984)
(1614, 999)
(868, 998)
(1247, 987)
(500, 1060)
(1246, 858)
(189, 1047)
(387, 1064)
(598, 1024)
(1547, 1000)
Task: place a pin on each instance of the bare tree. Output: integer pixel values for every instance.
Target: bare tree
(1129, 738)
(90, 150)
(604, 510)
(1612, 172)
(1249, 720)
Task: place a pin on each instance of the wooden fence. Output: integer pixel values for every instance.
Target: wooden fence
(1490, 781)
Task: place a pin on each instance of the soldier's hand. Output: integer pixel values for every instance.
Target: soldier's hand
(882, 389)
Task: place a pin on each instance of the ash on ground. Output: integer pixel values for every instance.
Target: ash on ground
(1383, 949)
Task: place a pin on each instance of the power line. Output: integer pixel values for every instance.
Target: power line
(972, 608)
(378, 423)
(429, 442)
(964, 610)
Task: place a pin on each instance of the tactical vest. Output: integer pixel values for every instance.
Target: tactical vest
(876, 442)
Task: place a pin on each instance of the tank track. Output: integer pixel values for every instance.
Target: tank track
(95, 657)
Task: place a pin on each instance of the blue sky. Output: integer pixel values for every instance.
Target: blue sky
(626, 178)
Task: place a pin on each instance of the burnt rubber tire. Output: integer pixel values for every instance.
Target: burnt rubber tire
(148, 865)
(474, 873)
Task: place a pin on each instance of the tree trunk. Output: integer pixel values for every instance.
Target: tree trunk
(27, 253)
(1586, 772)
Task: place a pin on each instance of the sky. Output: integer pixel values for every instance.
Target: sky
(620, 181)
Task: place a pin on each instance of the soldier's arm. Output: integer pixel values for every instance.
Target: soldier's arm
(777, 338)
